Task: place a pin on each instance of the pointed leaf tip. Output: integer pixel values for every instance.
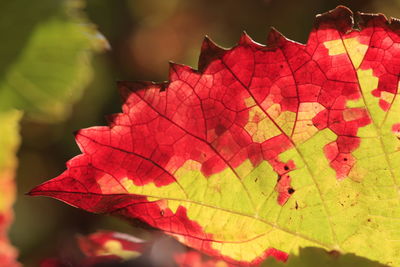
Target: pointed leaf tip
(395, 24)
(246, 40)
(32, 192)
(176, 70)
(275, 38)
(209, 52)
(340, 18)
(37, 190)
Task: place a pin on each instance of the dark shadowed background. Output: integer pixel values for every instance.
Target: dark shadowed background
(144, 36)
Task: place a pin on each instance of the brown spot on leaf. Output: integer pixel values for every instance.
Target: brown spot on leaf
(334, 253)
(220, 129)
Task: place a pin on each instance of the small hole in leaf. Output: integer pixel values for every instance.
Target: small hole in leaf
(286, 168)
(345, 159)
(290, 190)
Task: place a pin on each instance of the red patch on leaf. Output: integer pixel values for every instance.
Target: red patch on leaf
(243, 103)
(396, 129)
(277, 254)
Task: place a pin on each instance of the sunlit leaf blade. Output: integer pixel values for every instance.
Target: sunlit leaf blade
(9, 141)
(45, 58)
(264, 150)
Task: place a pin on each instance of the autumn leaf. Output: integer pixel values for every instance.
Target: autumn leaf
(108, 243)
(262, 151)
(310, 257)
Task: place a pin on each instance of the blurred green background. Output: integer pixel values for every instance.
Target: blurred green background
(143, 35)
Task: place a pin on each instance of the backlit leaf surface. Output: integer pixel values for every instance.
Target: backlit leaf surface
(263, 150)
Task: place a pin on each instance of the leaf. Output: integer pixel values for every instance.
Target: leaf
(108, 246)
(317, 257)
(45, 58)
(9, 141)
(262, 151)
(119, 249)
(106, 243)
(118, 246)
(193, 258)
(103, 248)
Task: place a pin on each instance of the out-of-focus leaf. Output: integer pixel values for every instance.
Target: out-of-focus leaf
(45, 58)
(9, 141)
(118, 249)
(193, 258)
(104, 243)
(103, 248)
(44, 65)
(317, 257)
(262, 151)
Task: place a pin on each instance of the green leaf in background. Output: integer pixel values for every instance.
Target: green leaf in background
(9, 142)
(46, 68)
(318, 257)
